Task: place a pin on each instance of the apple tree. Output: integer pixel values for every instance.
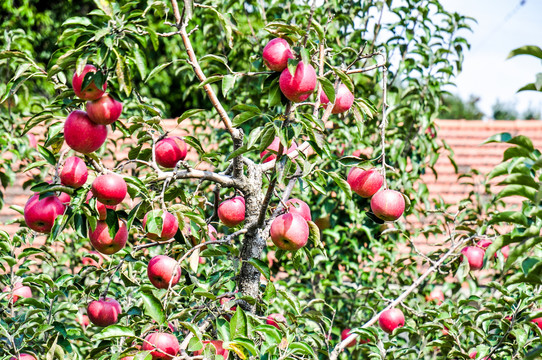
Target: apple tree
(267, 221)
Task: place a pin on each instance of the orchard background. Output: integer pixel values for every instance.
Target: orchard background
(201, 64)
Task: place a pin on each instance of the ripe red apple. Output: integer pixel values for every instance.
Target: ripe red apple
(101, 208)
(365, 183)
(18, 291)
(388, 205)
(104, 312)
(105, 110)
(436, 295)
(40, 215)
(473, 354)
(484, 243)
(538, 321)
(274, 319)
(83, 320)
(505, 250)
(475, 257)
(289, 231)
(343, 100)
(91, 92)
(102, 241)
(161, 269)
(81, 134)
(391, 319)
(170, 225)
(91, 262)
(167, 343)
(267, 155)
(232, 212)
(23, 356)
(276, 54)
(74, 172)
(128, 358)
(346, 333)
(109, 189)
(296, 206)
(301, 85)
(218, 348)
(169, 151)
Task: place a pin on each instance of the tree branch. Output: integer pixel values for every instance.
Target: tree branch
(342, 345)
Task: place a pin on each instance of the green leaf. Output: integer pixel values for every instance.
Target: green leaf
(157, 70)
(302, 348)
(328, 88)
(188, 113)
(292, 66)
(498, 138)
(228, 82)
(210, 80)
(47, 155)
(114, 331)
(243, 117)
(341, 183)
(270, 292)
(77, 20)
(523, 141)
(526, 50)
(518, 190)
(314, 234)
(238, 323)
(261, 266)
(510, 217)
(140, 62)
(345, 79)
(153, 307)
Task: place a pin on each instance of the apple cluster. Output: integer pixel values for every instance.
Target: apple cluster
(387, 205)
(475, 254)
(297, 87)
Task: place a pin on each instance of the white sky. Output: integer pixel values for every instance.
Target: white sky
(503, 25)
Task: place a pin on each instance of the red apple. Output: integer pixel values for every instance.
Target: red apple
(274, 319)
(23, 356)
(343, 100)
(436, 295)
(475, 257)
(81, 134)
(102, 241)
(91, 92)
(473, 354)
(101, 208)
(391, 319)
(232, 212)
(170, 225)
(128, 358)
(104, 312)
(296, 206)
(365, 183)
(484, 243)
(74, 172)
(218, 348)
(105, 110)
(388, 205)
(346, 333)
(276, 54)
(18, 291)
(289, 231)
(109, 189)
(301, 85)
(169, 151)
(505, 250)
(166, 343)
(267, 155)
(91, 262)
(83, 320)
(40, 215)
(538, 321)
(161, 270)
